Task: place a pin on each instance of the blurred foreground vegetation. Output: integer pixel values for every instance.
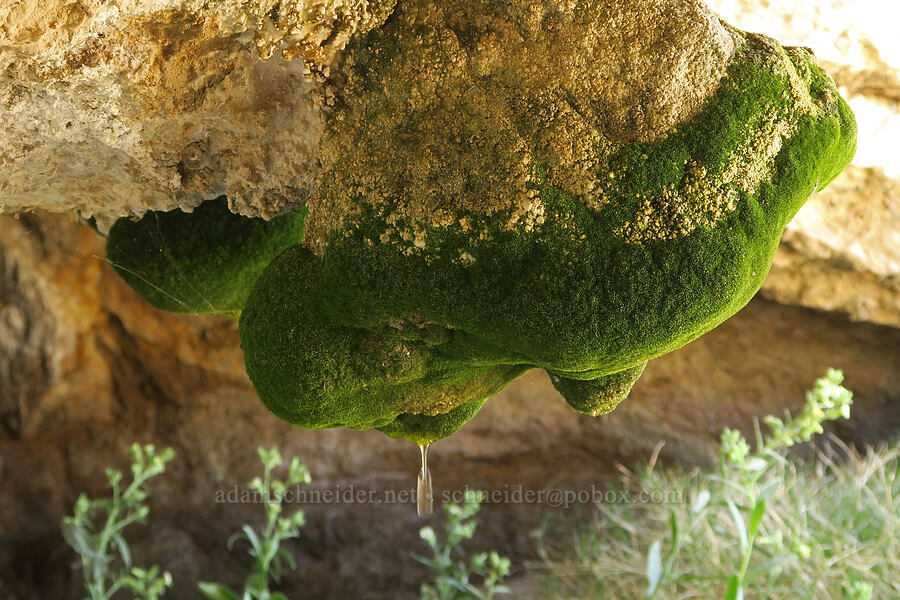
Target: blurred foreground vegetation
(764, 524)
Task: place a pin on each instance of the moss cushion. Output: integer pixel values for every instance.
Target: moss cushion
(202, 262)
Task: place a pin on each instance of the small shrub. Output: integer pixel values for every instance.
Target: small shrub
(264, 545)
(95, 531)
(453, 575)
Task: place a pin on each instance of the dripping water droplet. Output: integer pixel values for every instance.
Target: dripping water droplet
(424, 493)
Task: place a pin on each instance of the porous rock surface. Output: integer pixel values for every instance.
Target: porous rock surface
(113, 108)
(440, 109)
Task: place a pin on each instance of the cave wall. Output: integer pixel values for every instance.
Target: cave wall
(92, 368)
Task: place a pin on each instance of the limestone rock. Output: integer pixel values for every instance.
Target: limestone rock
(113, 108)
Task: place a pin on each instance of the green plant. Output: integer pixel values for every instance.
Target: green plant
(95, 531)
(453, 576)
(761, 525)
(752, 475)
(748, 481)
(265, 544)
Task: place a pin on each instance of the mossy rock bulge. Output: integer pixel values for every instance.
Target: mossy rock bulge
(203, 262)
(508, 186)
(500, 224)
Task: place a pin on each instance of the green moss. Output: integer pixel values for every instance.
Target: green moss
(598, 396)
(425, 429)
(340, 376)
(203, 262)
(371, 334)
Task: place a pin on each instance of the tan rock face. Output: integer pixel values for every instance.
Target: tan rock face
(111, 109)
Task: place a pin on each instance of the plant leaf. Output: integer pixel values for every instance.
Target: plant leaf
(287, 557)
(673, 525)
(253, 539)
(425, 561)
(739, 523)
(124, 552)
(769, 566)
(756, 516)
(654, 566)
(734, 589)
(216, 591)
(78, 537)
(769, 489)
(239, 535)
(701, 501)
(756, 463)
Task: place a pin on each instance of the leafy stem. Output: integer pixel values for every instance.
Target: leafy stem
(453, 578)
(752, 476)
(265, 546)
(124, 508)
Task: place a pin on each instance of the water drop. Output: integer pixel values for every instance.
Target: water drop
(424, 492)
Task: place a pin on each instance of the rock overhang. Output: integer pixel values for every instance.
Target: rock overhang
(578, 187)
